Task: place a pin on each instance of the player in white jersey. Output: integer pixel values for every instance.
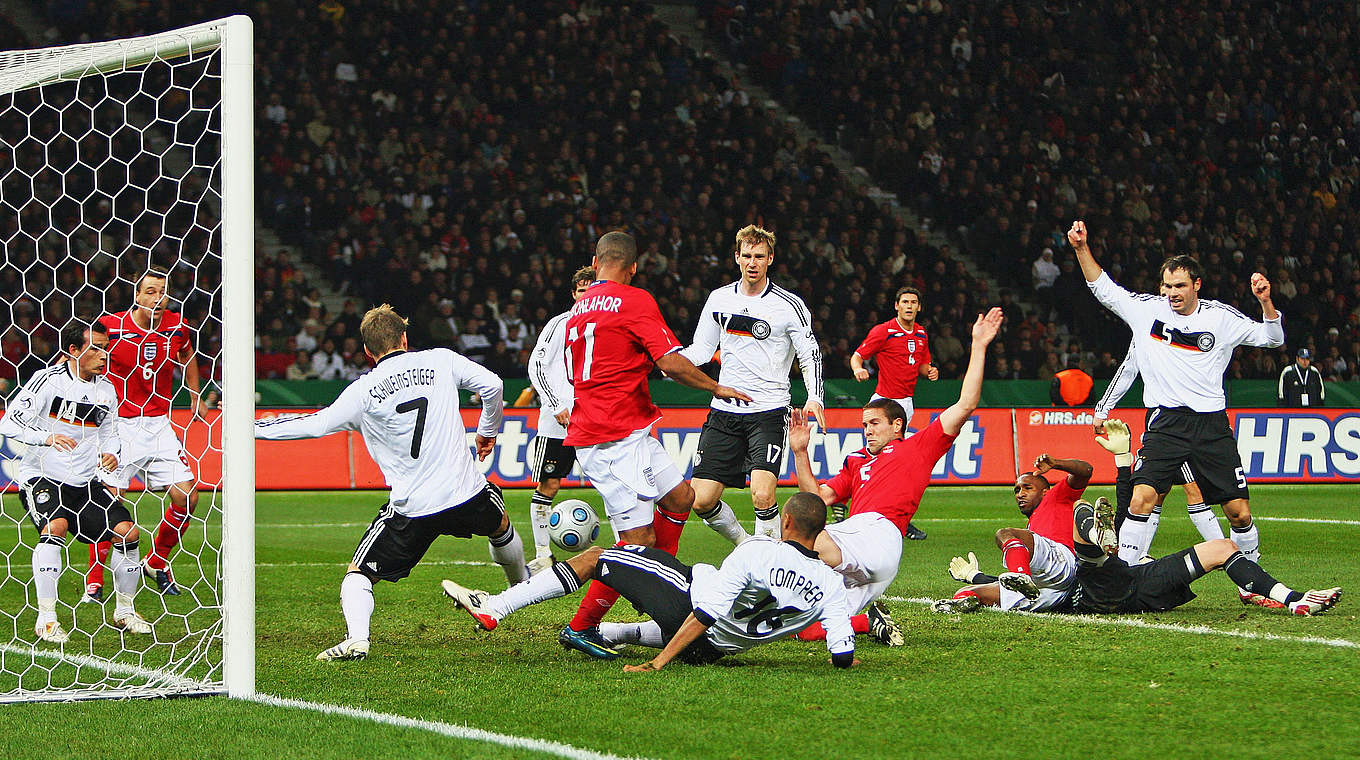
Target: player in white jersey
(765, 590)
(1201, 514)
(758, 327)
(551, 458)
(407, 410)
(1183, 344)
(67, 416)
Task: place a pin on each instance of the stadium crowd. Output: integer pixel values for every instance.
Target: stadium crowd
(1226, 131)
(459, 164)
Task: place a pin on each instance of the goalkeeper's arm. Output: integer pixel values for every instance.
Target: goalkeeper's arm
(968, 571)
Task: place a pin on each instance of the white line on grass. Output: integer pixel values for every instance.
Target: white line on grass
(1130, 622)
(108, 666)
(441, 728)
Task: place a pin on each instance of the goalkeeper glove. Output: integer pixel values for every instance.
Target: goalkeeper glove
(1117, 441)
(964, 570)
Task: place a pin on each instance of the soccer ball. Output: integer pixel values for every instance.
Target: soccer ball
(573, 525)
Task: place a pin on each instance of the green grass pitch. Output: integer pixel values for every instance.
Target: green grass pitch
(977, 686)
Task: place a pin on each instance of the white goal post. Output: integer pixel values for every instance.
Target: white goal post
(171, 114)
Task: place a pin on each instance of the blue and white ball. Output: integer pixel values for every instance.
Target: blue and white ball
(573, 525)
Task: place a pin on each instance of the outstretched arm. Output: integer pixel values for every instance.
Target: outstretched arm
(970, 394)
(683, 371)
(800, 434)
(689, 631)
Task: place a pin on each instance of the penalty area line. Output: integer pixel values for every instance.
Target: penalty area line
(438, 727)
(1132, 622)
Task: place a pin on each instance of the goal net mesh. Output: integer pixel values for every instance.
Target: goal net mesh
(110, 163)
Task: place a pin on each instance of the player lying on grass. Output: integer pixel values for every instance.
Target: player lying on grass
(765, 590)
(1041, 567)
(1107, 584)
(885, 480)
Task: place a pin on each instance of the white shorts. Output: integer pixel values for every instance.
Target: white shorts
(630, 473)
(908, 405)
(151, 451)
(871, 549)
(1054, 570)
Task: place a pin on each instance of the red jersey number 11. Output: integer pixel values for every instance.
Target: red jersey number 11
(572, 337)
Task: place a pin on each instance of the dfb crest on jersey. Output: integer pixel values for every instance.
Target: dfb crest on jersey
(760, 329)
(148, 351)
(44, 497)
(1205, 341)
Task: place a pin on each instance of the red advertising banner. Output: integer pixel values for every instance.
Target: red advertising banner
(1277, 446)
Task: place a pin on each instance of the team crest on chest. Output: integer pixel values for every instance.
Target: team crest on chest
(148, 351)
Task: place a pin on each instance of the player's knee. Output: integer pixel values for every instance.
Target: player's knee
(550, 487)
(1004, 535)
(503, 526)
(762, 496)
(1214, 553)
(1238, 512)
(127, 532)
(678, 499)
(57, 527)
(1144, 499)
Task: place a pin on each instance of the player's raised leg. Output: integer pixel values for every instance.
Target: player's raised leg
(716, 513)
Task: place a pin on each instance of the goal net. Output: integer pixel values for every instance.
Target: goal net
(116, 157)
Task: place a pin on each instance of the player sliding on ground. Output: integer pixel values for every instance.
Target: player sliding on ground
(1106, 584)
(407, 410)
(765, 590)
(1041, 568)
(884, 483)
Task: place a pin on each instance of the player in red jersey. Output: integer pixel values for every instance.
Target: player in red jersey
(615, 335)
(884, 482)
(1041, 568)
(903, 352)
(147, 343)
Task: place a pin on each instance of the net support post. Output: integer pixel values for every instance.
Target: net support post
(238, 355)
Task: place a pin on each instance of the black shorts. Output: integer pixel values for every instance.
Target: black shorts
(1115, 587)
(732, 445)
(658, 586)
(1204, 440)
(90, 510)
(395, 543)
(551, 458)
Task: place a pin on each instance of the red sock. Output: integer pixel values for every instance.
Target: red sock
(596, 604)
(816, 632)
(668, 526)
(99, 554)
(167, 537)
(1015, 556)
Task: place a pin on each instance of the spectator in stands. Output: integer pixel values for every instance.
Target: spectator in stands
(1071, 386)
(327, 363)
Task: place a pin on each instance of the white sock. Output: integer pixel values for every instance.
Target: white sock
(356, 601)
(46, 570)
(1154, 520)
(539, 507)
(723, 520)
(560, 581)
(767, 522)
(1206, 522)
(126, 567)
(646, 633)
(1134, 538)
(1248, 540)
(507, 550)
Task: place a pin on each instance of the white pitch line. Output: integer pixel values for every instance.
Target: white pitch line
(438, 727)
(1131, 622)
(108, 666)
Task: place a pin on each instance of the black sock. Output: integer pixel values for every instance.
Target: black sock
(768, 514)
(1123, 495)
(1250, 577)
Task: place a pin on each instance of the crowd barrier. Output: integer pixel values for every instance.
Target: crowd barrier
(1277, 446)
